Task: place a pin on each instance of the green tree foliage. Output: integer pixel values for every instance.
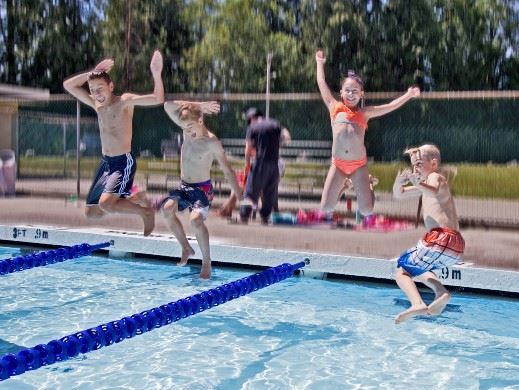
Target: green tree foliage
(233, 41)
(133, 29)
(69, 42)
(478, 44)
(55, 39)
(222, 46)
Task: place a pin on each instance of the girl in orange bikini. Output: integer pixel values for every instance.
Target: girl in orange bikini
(349, 124)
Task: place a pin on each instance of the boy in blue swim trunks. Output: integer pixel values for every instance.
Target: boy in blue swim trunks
(442, 246)
(110, 190)
(199, 149)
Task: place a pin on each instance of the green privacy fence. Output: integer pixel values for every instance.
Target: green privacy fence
(467, 128)
(472, 130)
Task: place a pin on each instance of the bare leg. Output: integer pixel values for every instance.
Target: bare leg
(364, 190)
(408, 286)
(441, 294)
(140, 198)
(112, 203)
(169, 213)
(202, 236)
(94, 212)
(332, 188)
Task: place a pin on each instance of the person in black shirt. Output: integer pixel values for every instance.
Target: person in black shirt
(262, 142)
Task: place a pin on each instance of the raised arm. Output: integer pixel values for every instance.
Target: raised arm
(374, 111)
(157, 97)
(432, 188)
(400, 190)
(74, 84)
(326, 94)
(174, 107)
(220, 156)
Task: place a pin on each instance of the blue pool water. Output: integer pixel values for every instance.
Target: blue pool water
(301, 333)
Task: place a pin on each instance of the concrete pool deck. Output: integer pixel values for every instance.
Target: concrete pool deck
(491, 260)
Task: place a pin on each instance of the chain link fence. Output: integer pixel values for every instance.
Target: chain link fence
(473, 131)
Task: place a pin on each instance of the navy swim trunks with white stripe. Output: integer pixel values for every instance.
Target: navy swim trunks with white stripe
(114, 176)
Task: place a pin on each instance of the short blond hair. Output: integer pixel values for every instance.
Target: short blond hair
(427, 151)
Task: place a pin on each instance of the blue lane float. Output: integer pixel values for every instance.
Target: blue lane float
(40, 259)
(127, 327)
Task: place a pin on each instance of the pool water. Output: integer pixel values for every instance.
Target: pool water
(301, 333)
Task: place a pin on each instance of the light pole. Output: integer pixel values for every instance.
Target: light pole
(267, 98)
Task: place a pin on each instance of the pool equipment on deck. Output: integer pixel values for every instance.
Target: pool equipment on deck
(40, 259)
(116, 331)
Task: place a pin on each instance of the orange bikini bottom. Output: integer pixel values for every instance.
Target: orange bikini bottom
(348, 167)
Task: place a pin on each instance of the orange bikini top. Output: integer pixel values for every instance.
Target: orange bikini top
(342, 114)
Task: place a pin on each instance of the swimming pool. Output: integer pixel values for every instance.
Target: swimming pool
(300, 333)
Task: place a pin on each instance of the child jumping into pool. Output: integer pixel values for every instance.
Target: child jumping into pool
(349, 121)
(111, 188)
(442, 246)
(199, 149)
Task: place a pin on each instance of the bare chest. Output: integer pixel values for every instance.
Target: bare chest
(114, 118)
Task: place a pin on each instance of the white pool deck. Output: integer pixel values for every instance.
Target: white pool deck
(464, 275)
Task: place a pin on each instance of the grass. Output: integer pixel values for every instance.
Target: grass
(471, 180)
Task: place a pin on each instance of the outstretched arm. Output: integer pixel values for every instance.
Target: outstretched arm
(326, 94)
(74, 84)
(220, 156)
(157, 97)
(374, 111)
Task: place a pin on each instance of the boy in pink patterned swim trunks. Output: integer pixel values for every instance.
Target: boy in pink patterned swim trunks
(442, 246)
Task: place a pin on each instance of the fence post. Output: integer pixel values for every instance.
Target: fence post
(64, 125)
(267, 103)
(78, 136)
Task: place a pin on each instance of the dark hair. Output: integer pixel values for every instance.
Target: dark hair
(97, 74)
(251, 113)
(354, 76)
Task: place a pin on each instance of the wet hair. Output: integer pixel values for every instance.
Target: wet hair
(428, 152)
(354, 76)
(99, 75)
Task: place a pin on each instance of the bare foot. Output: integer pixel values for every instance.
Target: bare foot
(437, 306)
(186, 254)
(205, 272)
(411, 312)
(149, 221)
(140, 198)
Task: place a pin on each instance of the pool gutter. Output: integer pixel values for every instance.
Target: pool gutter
(463, 276)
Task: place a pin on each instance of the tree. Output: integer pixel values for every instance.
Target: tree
(132, 30)
(234, 40)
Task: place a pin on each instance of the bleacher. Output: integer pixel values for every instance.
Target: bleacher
(299, 150)
(306, 166)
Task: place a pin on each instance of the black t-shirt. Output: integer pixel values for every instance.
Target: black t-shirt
(264, 136)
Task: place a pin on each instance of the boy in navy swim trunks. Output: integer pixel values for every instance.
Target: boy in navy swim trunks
(199, 149)
(442, 246)
(114, 178)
